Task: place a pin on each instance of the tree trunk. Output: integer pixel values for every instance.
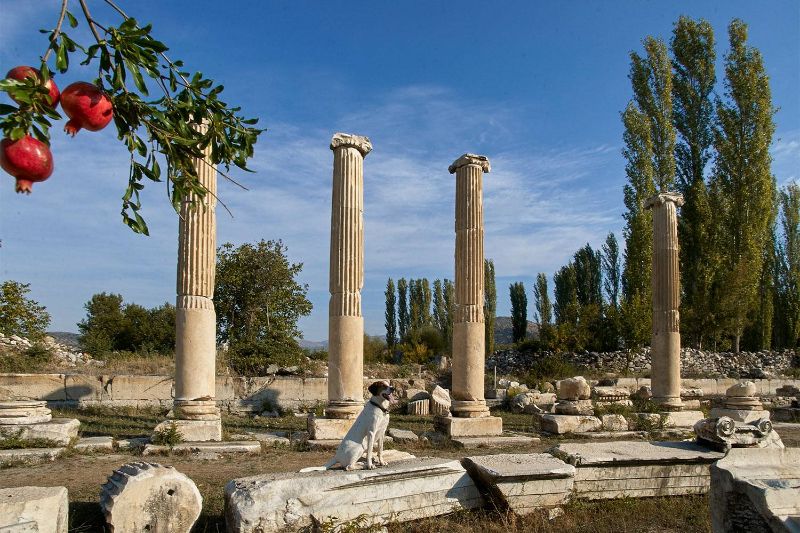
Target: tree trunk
(736, 342)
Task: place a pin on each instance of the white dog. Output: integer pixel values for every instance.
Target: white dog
(369, 427)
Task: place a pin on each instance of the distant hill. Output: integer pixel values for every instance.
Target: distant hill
(313, 345)
(504, 332)
(66, 338)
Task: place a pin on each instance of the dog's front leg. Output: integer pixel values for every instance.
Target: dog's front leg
(370, 444)
(381, 462)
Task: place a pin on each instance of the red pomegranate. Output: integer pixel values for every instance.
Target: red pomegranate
(87, 106)
(28, 159)
(23, 71)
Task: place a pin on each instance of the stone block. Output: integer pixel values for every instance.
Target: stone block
(416, 394)
(576, 388)
(455, 427)
(59, 430)
(95, 444)
(522, 482)
(561, 424)
(194, 430)
(574, 407)
(786, 414)
(225, 389)
(403, 491)
(45, 507)
(49, 387)
(329, 428)
(125, 387)
(246, 447)
(682, 419)
(419, 407)
(614, 423)
(82, 388)
(637, 469)
(402, 435)
(29, 456)
(756, 490)
(503, 441)
(271, 438)
(150, 497)
(440, 401)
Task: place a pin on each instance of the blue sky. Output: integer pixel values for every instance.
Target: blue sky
(535, 86)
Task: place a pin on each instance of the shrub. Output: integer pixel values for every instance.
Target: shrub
(169, 436)
(32, 359)
(252, 358)
(19, 315)
(551, 367)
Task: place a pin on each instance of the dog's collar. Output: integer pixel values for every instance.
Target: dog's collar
(379, 406)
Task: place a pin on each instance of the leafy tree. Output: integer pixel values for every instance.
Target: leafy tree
(414, 304)
(588, 276)
(20, 315)
(489, 303)
(742, 174)
(449, 305)
(611, 270)
(103, 325)
(258, 303)
(391, 314)
(693, 82)
(426, 300)
(787, 330)
(565, 305)
(519, 311)
(130, 64)
(544, 310)
(439, 307)
(403, 316)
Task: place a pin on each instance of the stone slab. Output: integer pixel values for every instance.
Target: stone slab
(278, 438)
(402, 435)
(81, 388)
(329, 428)
(522, 482)
(30, 456)
(59, 430)
(245, 446)
(561, 424)
(682, 419)
(404, 491)
(46, 507)
(740, 415)
(503, 441)
(194, 430)
(124, 387)
(331, 444)
(756, 490)
(20, 527)
(456, 427)
(614, 423)
(95, 444)
(133, 443)
(48, 387)
(637, 469)
(611, 435)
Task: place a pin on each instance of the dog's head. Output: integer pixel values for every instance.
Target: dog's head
(382, 389)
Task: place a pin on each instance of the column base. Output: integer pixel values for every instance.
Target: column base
(343, 409)
(194, 430)
(455, 427)
(328, 428)
(195, 410)
(469, 409)
(669, 403)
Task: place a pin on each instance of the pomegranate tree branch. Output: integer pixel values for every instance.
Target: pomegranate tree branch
(57, 31)
(91, 21)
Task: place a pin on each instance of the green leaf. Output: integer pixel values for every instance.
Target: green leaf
(5, 109)
(73, 22)
(61, 57)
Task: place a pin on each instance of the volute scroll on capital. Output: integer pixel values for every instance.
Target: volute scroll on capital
(664, 197)
(359, 142)
(470, 159)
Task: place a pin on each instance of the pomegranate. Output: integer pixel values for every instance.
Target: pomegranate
(87, 107)
(28, 159)
(23, 71)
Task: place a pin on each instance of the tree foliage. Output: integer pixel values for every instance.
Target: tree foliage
(403, 315)
(391, 314)
(131, 64)
(489, 303)
(19, 314)
(519, 311)
(259, 301)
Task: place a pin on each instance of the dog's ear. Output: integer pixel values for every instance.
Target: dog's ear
(376, 387)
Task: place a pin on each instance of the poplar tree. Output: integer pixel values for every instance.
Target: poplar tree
(694, 77)
(391, 314)
(565, 305)
(611, 270)
(544, 310)
(449, 305)
(489, 303)
(414, 304)
(743, 175)
(425, 302)
(787, 327)
(519, 311)
(439, 307)
(402, 308)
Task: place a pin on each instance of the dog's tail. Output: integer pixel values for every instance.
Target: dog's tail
(327, 466)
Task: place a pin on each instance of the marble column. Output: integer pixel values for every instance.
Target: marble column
(468, 324)
(666, 340)
(195, 411)
(345, 322)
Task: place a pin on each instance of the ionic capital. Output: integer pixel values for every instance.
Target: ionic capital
(346, 140)
(664, 197)
(470, 159)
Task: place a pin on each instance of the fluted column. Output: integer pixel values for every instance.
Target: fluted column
(195, 347)
(345, 322)
(468, 324)
(666, 340)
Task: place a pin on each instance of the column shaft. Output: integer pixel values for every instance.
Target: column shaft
(195, 347)
(468, 324)
(346, 324)
(666, 339)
